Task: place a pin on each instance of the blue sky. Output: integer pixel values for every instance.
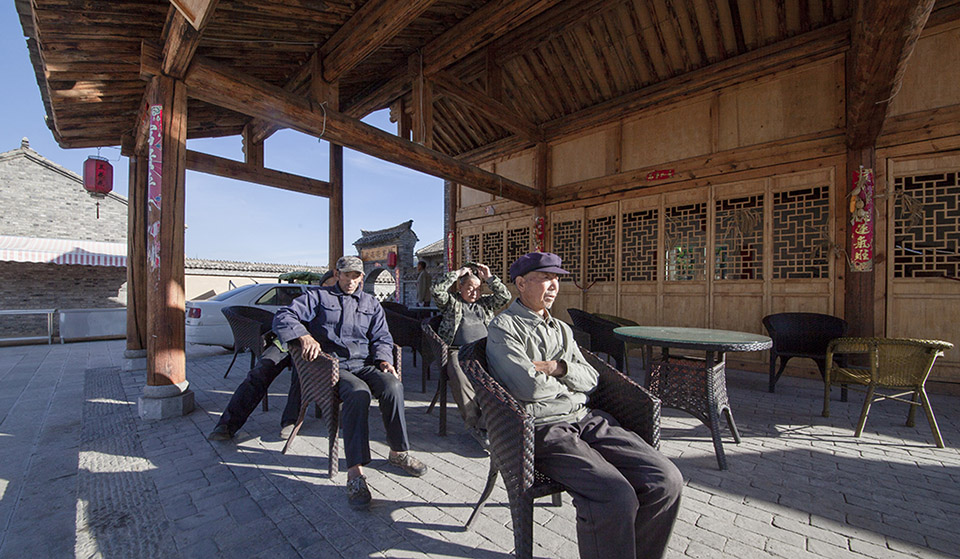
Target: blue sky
(233, 220)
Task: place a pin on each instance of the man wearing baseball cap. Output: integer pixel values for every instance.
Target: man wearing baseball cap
(626, 493)
(344, 321)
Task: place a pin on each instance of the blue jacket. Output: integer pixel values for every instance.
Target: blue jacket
(352, 327)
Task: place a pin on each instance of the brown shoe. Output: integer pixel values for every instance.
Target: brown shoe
(408, 463)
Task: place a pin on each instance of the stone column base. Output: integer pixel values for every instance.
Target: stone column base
(164, 402)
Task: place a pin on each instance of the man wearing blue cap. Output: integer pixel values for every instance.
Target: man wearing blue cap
(626, 493)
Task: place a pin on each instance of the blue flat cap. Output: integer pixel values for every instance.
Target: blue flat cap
(536, 262)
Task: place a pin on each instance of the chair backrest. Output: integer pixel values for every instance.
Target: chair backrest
(248, 324)
(619, 320)
(600, 330)
(395, 307)
(405, 331)
(802, 332)
(898, 361)
(434, 348)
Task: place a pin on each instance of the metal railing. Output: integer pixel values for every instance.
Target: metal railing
(48, 312)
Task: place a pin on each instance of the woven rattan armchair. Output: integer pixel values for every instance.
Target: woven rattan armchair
(248, 324)
(435, 350)
(602, 339)
(804, 335)
(318, 384)
(894, 363)
(405, 331)
(510, 430)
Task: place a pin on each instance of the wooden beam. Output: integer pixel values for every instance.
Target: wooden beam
(137, 254)
(233, 90)
(881, 42)
(231, 169)
(422, 102)
(196, 12)
(252, 150)
(180, 40)
(487, 106)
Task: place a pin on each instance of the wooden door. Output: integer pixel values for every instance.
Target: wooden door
(600, 257)
(566, 241)
(640, 261)
(685, 216)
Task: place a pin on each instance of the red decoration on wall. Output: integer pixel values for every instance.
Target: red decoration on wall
(861, 221)
(539, 229)
(451, 250)
(660, 174)
(97, 178)
(392, 259)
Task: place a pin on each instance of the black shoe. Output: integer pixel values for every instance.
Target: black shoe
(408, 463)
(286, 431)
(480, 435)
(220, 433)
(358, 494)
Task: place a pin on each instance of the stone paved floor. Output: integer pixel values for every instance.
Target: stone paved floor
(81, 475)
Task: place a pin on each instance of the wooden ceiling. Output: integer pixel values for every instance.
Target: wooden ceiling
(545, 62)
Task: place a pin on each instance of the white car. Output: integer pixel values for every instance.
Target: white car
(206, 324)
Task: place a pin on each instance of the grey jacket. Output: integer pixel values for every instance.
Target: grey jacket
(515, 339)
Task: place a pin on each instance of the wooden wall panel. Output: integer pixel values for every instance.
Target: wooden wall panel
(667, 135)
(932, 75)
(638, 302)
(520, 168)
(928, 309)
(584, 157)
(786, 105)
(470, 197)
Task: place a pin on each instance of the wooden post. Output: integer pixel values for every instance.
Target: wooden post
(859, 287)
(422, 102)
(166, 394)
(136, 256)
(541, 179)
(328, 93)
(252, 149)
(449, 222)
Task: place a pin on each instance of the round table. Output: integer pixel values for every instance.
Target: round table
(696, 387)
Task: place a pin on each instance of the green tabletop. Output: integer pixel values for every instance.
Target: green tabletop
(705, 339)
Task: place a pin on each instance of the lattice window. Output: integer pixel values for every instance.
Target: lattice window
(927, 226)
(801, 234)
(601, 249)
(739, 238)
(493, 252)
(685, 236)
(470, 248)
(638, 251)
(518, 244)
(567, 238)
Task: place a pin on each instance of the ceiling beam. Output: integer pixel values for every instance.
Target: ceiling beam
(372, 26)
(487, 106)
(228, 88)
(881, 41)
(223, 167)
(181, 38)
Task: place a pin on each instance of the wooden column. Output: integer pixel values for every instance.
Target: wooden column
(166, 364)
(252, 149)
(328, 93)
(449, 221)
(422, 103)
(136, 255)
(859, 287)
(542, 179)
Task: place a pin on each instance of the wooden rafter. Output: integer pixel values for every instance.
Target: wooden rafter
(882, 40)
(181, 38)
(225, 87)
(486, 105)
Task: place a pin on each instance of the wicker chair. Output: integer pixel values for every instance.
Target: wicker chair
(398, 308)
(602, 339)
(893, 364)
(318, 384)
(405, 331)
(248, 324)
(436, 351)
(802, 334)
(510, 431)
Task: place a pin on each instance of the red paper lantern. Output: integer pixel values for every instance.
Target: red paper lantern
(392, 259)
(97, 178)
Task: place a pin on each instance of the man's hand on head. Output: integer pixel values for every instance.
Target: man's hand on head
(551, 368)
(483, 271)
(309, 347)
(386, 367)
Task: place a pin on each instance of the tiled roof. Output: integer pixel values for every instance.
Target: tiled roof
(381, 235)
(435, 247)
(233, 266)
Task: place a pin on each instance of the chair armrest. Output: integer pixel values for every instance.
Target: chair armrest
(629, 403)
(397, 361)
(434, 348)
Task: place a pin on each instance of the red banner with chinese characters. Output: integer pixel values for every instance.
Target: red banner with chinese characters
(539, 231)
(154, 184)
(861, 221)
(451, 251)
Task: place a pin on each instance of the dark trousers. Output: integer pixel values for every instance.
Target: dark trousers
(626, 493)
(358, 383)
(462, 391)
(254, 387)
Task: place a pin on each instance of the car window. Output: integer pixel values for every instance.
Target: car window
(228, 294)
(268, 298)
(286, 295)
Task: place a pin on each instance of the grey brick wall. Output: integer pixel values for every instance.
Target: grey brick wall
(45, 286)
(41, 199)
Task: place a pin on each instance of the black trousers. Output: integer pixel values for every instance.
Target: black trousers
(358, 384)
(254, 387)
(626, 493)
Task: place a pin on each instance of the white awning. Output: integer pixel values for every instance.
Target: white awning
(62, 251)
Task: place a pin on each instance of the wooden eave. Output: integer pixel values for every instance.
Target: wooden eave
(561, 66)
